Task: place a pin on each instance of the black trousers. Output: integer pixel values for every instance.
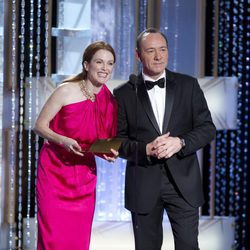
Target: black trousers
(184, 220)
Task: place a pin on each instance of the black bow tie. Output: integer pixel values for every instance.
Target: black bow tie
(150, 84)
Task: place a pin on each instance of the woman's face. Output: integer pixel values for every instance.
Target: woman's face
(100, 68)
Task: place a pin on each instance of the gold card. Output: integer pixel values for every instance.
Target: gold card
(104, 145)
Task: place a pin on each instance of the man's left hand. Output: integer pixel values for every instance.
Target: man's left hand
(168, 147)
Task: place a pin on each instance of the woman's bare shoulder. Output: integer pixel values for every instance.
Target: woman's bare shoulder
(67, 88)
(68, 92)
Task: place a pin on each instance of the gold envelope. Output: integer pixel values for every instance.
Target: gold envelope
(104, 145)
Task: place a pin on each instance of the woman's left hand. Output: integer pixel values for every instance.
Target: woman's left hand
(111, 158)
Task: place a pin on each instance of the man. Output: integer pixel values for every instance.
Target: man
(163, 127)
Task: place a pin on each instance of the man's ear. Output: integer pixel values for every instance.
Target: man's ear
(138, 55)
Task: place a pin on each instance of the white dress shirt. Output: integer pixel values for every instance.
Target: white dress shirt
(157, 97)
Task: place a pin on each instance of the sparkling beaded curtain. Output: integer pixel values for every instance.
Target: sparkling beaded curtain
(1, 105)
(232, 147)
(12, 160)
(28, 55)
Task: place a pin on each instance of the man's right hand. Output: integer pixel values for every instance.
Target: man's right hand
(151, 148)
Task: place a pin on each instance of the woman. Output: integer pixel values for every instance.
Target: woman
(78, 112)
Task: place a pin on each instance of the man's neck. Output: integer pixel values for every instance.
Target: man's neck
(153, 78)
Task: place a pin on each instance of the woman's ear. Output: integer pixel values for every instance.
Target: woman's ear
(86, 66)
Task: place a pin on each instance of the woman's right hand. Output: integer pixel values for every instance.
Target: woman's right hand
(72, 145)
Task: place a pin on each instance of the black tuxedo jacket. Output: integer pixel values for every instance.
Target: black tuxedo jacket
(186, 116)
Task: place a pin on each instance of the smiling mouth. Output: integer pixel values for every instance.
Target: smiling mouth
(102, 75)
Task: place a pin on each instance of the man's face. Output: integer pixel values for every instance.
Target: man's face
(153, 54)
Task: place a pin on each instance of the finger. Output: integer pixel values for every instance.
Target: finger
(167, 134)
(164, 136)
(114, 152)
(169, 153)
(163, 154)
(77, 147)
(168, 156)
(77, 152)
(106, 157)
(172, 150)
(153, 152)
(166, 152)
(161, 149)
(161, 141)
(109, 159)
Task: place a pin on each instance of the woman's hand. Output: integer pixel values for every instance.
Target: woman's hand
(72, 146)
(111, 158)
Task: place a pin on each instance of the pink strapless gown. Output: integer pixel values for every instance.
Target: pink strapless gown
(65, 182)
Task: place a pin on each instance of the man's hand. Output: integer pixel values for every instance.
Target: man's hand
(151, 148)
(164, 146)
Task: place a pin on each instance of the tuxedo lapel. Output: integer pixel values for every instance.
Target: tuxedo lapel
(144, 99)
(170, 87)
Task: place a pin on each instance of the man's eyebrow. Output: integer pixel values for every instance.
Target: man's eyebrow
(165, 47)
